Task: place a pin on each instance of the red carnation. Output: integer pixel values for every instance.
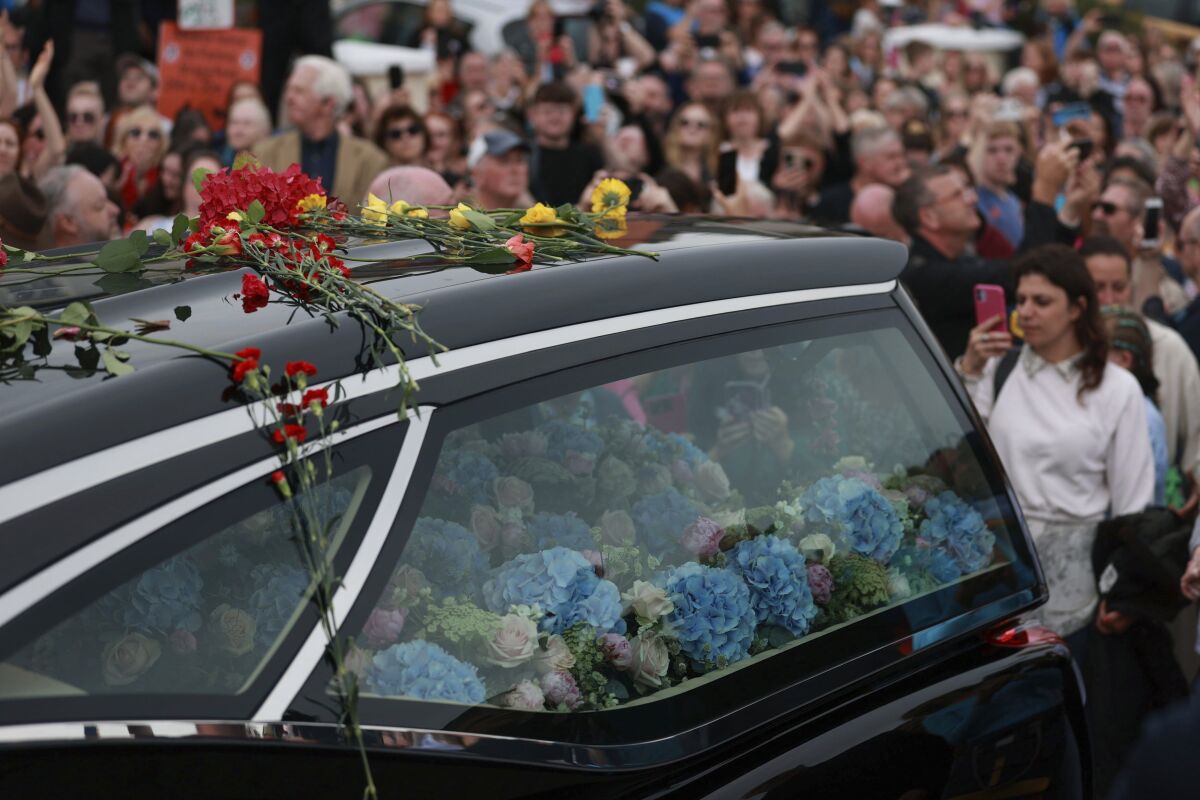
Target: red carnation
(312, 395)
(288, 409)
(294, 368)
(3, 254)
(242, 367)
(278, 477)
(249, 352)
(254, 293)
(279, 192)
(289, 431)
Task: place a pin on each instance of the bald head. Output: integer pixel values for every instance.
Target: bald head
(872, 211)
(416, 186)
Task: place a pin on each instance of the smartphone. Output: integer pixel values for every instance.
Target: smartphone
(742, 398)
(797, 68)
(709, 40)
(1151, 236)
(1071, 112)
(593, 102)
(395, 76)
(635, 185)
(1084, 146)
(989, 302)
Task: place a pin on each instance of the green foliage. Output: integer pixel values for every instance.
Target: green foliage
(183, 313)
(859, 585)
(461, 627)
(583, 643)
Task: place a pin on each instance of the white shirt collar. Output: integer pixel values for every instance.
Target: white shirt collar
(1033, 363)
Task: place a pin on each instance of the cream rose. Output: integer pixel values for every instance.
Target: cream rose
(233, 628)
(125, 659)
(514, 642)
(648, 602)
(712, 480)
(557, 657)
(651, 659)
(514, 493)
(525, 696)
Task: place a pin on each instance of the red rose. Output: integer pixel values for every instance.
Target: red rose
(290, 431)
(294, 368)
(254, 293)
(521, 250)
(315, 394)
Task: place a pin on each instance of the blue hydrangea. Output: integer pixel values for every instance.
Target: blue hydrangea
(281, 590)
(959, 530)
(467, 474)
(713, 617)
(563, 583)
(162, 599)
(448, 555)
(693, 455)
(943, 567)
(661, 518)
(563, 436)
(776, 574)
(861, 518)
(424, 671)
(559, 530)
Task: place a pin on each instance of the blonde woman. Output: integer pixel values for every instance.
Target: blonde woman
(691, 142)
(140, 142)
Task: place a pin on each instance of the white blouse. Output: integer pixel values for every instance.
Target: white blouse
(1069, 460)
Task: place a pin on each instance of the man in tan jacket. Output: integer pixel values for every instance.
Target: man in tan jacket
(317, 92)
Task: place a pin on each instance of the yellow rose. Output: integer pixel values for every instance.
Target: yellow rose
(233, 628)
(538, 215)
(313, 202)
(402, 209)
(125, 659)
(457, 220)
(419, 213)
(375, 211)
(610, 194)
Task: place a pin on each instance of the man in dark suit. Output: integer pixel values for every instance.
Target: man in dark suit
(317, 92)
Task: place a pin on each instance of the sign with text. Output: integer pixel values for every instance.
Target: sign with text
(198, 68)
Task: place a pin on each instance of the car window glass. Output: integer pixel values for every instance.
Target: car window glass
(203, 620)
(638, 539)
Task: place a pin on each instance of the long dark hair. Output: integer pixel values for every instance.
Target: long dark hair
(1065, 268)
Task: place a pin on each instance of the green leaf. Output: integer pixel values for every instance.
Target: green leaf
(88, 357)
(566, 211)
(182, 313)
(119, 256)
(162, 237)
(21, 333)
(480, 220)
(491, 256)
(119, 282)
(199, 175)
(75, 313)
(41, 342)
(256, 212)
(114, 365)
(140, 242)
(180, 228)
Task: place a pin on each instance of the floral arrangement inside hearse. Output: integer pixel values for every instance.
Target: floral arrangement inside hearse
(579, 566)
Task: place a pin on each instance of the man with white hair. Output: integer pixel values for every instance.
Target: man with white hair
(317, 92)
(78, 208)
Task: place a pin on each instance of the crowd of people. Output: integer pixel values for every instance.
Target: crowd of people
(1066, 172)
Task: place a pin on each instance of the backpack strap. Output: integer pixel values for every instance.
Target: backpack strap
(1008, 362)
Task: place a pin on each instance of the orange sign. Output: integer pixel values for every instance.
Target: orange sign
(198, 68)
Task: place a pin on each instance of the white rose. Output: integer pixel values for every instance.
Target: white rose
(513, 642)
(817, 547)
(651, 659)
(712, 480)
(556, 657)
(898, 586)
(648, 602)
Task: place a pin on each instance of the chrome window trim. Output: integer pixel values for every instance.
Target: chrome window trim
(26, 494)
(306, 660)
(42, 584)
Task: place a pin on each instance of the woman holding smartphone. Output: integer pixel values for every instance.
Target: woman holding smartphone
(1069, 425)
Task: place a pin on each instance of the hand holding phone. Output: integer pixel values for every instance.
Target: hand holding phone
(593, 102)
(1151, 235)
(989, 303)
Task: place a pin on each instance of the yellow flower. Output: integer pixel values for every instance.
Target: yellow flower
(610, 194)
(236, 216)
(457, 220)
(538, 215)
(312, 202)
(375, 211)
(402, 209)
(419, 213)
(611, 226)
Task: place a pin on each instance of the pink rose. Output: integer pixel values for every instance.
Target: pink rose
(561, 690)
(820, 582)
(617, 650)
(616, 528)
(702, 537)
(485, 524)
(651, 659)
(525, 696)
(514, 493)
(578, 463)
(384, 625)
(712, 480)
(514, 642)
(182, 641)
(521, 250)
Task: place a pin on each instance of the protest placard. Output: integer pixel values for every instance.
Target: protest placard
(197, 68)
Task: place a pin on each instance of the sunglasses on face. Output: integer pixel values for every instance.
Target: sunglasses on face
(400, 133)
(88, 117)
(1106, 208)
(149, 133)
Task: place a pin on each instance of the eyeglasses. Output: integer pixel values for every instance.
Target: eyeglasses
(1106, 208)
(699, 124)
(961, 193)
(149, 133)
(88, 117)
(400, 133)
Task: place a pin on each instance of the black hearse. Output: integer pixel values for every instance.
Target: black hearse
(760, 390)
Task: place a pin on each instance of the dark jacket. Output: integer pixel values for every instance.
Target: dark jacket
(1138, 560)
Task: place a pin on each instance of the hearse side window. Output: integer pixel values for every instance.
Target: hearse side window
(634, 541)
(207, 603)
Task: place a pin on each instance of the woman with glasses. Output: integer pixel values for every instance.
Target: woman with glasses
(953, 124)
(140, 144)
(691, 142)
(401, 133)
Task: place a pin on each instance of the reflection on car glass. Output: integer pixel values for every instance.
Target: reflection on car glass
(573, 555)
(202, 621)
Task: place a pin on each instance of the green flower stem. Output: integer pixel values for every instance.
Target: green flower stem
(137, 337)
